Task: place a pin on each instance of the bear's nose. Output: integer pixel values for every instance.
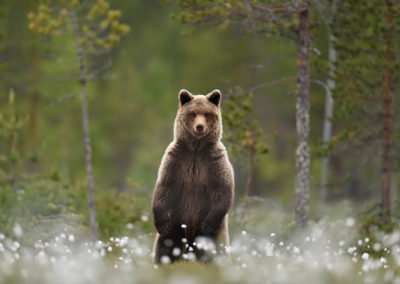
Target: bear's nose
(199, 127)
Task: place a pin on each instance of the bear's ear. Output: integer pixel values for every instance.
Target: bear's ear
(184, 97)
(214, 97)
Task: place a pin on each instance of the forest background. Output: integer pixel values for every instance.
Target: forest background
(132, 97)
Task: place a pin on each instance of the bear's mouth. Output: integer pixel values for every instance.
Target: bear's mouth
(198, 134)
(199, 130)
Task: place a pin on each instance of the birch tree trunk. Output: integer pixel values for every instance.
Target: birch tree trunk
(303, 116)
(327, 128)
(86, 134)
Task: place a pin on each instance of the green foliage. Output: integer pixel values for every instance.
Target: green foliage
(10, 155)
(41, 204)
(100, 28)
(45, 21)
(44, 204)
(133, 103)
(249, 214)
(362, 64)
(2, 23)
(28, 200)
(249, 16)
(371, 224)
(243, 133)
(372, 220)
(123, 213)
(344, 135)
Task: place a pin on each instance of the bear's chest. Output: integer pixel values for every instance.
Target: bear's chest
(195, 185)
(196, 190)
(196, 171)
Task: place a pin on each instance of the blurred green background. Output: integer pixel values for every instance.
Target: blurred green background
(132, 95)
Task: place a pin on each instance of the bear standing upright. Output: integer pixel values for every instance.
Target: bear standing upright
(195, 184)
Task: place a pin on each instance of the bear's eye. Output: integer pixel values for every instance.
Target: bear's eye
(193, 114)
(206, 115)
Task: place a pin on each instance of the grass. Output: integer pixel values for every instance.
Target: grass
(328, 251)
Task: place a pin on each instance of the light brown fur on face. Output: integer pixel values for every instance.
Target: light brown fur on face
(199, 110)
(199, 118)
(195, 183)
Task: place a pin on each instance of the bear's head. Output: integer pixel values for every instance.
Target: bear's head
(199, 116)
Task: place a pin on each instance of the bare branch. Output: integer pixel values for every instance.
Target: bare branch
(320, 83)
(62, 98)
(107, 65)
(270, 8)
(260, 86)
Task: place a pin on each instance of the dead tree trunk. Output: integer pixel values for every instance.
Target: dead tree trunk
(303, 116)
(86, 133)
(387, 105)
(327, 128)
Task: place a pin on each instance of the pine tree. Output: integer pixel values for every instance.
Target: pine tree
(95, 28)
(368, 57)
(244, 134)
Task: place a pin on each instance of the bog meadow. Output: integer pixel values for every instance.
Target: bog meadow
(310, 111)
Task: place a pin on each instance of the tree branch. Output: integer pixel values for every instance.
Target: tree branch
(262, 85)
(274, 9)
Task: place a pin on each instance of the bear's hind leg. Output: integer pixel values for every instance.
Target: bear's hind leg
(204, 247)
(167, 249)
(202, 255)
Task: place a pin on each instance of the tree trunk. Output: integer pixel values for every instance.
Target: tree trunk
(303, 117)
(250, 173)
(327, 128)
(33, 110)
(387, 104)
(34, 77)
(121, 164)
(33, 106)
(86, 134)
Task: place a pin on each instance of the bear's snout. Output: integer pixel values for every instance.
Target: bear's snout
(199, 126)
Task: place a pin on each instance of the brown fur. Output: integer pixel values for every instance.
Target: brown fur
(195, 183)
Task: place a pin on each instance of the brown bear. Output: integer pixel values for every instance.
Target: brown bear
(195, 184)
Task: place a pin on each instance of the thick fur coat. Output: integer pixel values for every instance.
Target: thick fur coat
(195, 184)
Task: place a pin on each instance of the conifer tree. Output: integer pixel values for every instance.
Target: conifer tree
(95, 28)
(367, 81)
